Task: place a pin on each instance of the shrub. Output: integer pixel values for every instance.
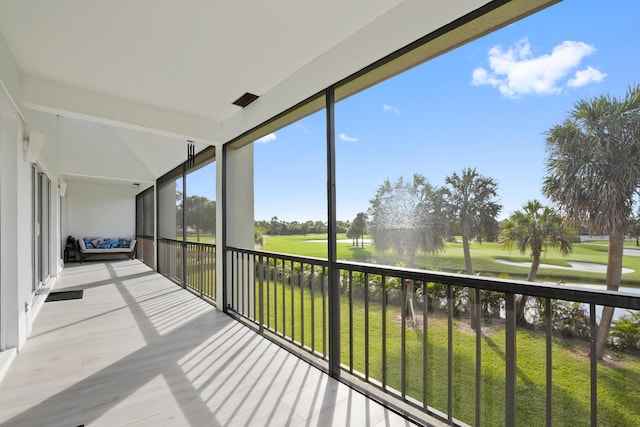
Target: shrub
(625, 331)
(570, 319)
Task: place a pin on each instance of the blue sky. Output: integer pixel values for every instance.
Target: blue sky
(485, 105)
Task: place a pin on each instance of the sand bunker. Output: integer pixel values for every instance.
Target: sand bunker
(575, 265)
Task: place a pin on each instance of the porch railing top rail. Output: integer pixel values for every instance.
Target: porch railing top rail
(191, 242)
(537, 289)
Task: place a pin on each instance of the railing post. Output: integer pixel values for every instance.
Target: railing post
(549, 354)
(510, 355)
(593, 364)
(478, 309)
(200, 270)
(184, 227)
(334, 274)
(450, 325)
(260, 294)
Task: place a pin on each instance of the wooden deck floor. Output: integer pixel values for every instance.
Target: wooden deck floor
(137, 350)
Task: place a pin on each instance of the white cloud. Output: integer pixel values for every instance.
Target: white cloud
(343, 136)
(302, 127)
(585, 77)
(267, 138)
(389, 109)
(516, 71)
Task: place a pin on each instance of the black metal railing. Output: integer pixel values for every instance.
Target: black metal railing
(408, 333)
(286, 295)
(190, 264)
(170, 258)
(145, 250)
(201, 268)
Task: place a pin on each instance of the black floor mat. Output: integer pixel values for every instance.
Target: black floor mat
(64, 295)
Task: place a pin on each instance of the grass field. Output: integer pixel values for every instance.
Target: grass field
(299, 313)
(289, 310)
(483, 255)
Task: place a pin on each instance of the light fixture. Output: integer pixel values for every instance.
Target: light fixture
(32, 146)
(191, 154)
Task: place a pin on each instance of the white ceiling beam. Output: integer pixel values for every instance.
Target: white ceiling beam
(73, 102)
(9, 76)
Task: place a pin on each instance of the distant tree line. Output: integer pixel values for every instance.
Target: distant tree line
(278, 227)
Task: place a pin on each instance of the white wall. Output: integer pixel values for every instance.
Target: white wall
(16, 272)
(239, 205)
(100, 209)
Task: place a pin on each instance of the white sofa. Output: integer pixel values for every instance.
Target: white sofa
(89, 246)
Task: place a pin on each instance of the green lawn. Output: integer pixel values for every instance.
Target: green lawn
(618, 376)
(618, 393)
(483, 255)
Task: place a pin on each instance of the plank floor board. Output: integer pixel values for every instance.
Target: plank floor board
(137, 350)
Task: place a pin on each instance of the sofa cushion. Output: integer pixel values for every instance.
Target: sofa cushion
(100, 245)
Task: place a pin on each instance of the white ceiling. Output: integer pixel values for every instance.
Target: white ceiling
(189, 56)
(140, 77)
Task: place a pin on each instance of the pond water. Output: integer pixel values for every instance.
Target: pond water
(619, 312)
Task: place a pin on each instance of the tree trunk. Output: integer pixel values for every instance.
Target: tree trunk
(407, 302)
(614, 275)
(522, 302)
(411, 262)
(471, 292)
(467, 255)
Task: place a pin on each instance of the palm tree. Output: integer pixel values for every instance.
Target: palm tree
(593, 167)
(535, 227)
(405, 217)
(359, 227)
(471, 200)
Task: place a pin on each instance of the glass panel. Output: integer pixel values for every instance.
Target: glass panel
(200, 202)
(170, 209)
(139, 214)
(290, 187)
(442, 168)
(149, 212)
(45, 227)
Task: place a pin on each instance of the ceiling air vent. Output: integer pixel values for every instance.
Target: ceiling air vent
(245, 99)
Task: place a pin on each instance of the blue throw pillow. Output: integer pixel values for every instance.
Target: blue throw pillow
(88, 244)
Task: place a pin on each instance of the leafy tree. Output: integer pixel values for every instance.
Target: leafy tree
(471, 201)
(200, 214)
(634, 229)
(342, 226)
(358, 228)
(593, 172)
(534, 227)
(351, 234)
(407, 216)
(276, 227)
(258, 234)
